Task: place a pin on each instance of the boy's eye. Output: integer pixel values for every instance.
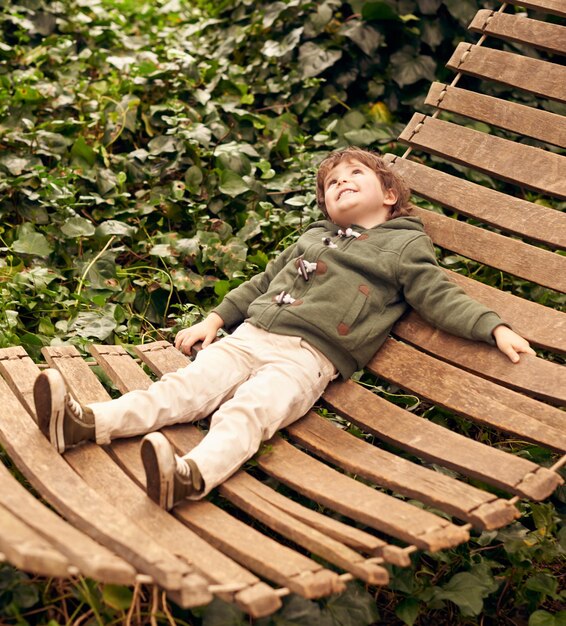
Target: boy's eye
(357, 171)
(331, 182)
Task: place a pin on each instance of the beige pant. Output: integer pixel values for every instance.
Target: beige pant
(252, 382)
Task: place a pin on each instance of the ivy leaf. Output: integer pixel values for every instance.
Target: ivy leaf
(161, 144)
(94, 324)
(544, 618)
(408, 610)
(468, 590)
(353, 607)
(276, 49)
(16, 165)
(314, 59)
(220, 613)
(25, 596)
(462, 10)
(77, 227)
(543, 583)
(408, 67)
(297, 611)
(106, 181)
(187, 280)
(114, 227)
(367, 38)
(251, 228)
(81, 151)
(232, 184)
(30, 242)
(229, 257)
(378, 11)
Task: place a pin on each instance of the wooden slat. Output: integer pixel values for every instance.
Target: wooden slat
(162, 357)
(555, 7)
(513, 215)
(24, 548)
(512, 162)
(388, 470)
(356, 500)
(541, 325)
(85, 555)
(52, 477)
(118, 365)
(517, 118)
(131, 499)
(434, 443)
(335, 490)
(242, 491)
(532, 375)
(539, 77)
(512, 27)
(105, 476)
(509, 255)
(243, 543)
(254, 498)
(483, 401)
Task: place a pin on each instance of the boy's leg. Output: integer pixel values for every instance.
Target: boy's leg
(186, 395)
(183, 396)
(290, 380)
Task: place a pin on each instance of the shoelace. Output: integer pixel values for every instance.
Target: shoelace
(182, 467)
(75, 408)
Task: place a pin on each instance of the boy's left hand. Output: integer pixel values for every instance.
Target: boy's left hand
(510, 343)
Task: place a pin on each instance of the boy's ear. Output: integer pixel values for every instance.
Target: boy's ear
(389, 197)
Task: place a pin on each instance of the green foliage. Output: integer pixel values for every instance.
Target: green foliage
(157, 153)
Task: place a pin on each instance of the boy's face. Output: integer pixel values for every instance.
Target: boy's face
(353, 194)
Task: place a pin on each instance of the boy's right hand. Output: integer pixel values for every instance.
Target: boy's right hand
(204, 331)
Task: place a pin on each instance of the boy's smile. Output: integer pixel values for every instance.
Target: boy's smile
(353, 194)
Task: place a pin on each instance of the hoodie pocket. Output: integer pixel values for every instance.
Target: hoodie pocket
(358, 307)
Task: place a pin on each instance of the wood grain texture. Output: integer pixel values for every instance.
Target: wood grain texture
(539, 77)
(515, 27)
(514, 215)
(531, 375)
(513, 162)
(555, 7)
(83, 554)
(432, 442)
(494, 250)
(512, 116)
(391, 471)
(483, 401)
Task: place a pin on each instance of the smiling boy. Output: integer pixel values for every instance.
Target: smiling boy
(321, 309)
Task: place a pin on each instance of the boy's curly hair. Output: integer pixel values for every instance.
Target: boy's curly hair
(370, 159)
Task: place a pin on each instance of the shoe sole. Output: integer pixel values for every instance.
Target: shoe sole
(49, 397)
(159, 465)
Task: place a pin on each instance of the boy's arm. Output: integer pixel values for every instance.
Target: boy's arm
(233, 308)
(204, 331)
(445, 305)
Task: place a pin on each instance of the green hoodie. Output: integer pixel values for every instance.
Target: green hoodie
(363, 281)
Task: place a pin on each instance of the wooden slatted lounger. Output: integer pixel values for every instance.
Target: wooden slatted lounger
(114, 533)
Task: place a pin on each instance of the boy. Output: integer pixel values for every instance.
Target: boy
(321, 308)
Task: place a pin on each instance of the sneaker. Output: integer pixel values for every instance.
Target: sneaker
(169, 478)
(59, 417)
